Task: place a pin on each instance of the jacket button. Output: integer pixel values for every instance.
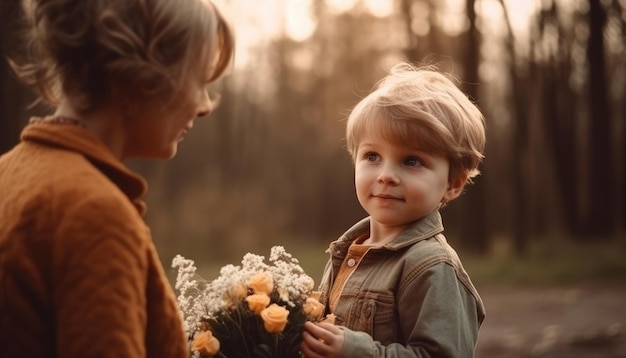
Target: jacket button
(368, 311)
(351, 262)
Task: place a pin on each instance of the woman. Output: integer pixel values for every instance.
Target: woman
(79, 274)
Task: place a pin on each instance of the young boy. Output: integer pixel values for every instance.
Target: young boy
(396, 287)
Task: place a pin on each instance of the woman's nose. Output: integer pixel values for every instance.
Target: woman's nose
(208, 103)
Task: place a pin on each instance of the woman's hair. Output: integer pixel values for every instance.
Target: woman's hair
(421, 107)
(82, 48)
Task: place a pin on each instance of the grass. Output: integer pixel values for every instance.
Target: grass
(552, 263)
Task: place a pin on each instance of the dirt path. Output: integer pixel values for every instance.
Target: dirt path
(581, 321)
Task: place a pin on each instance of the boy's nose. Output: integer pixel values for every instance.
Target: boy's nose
(387, 175)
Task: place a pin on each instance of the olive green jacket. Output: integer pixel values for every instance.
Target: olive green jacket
(408, 298)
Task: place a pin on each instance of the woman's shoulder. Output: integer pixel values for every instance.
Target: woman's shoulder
(69, 187)
(72, 178)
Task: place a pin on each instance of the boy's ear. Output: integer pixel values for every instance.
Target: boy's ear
(455, 187)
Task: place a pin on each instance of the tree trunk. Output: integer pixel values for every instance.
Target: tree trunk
(519, 143)
(600, 221)
(558, 110)
(475, 233)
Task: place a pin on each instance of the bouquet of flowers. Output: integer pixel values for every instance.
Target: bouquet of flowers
(257, 309)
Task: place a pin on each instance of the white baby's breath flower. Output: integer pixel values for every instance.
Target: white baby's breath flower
(200, 300)
(186, 272)
(191, 290)
(279, 253)
(252, 264)
(283, 293)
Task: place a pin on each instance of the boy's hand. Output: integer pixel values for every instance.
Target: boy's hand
(321, 340)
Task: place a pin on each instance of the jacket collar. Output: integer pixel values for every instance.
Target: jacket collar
(77, 139)
(422, 229)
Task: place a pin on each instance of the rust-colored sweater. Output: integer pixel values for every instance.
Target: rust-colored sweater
(79, 273)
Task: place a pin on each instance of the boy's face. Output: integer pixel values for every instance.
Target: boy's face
(397, 184)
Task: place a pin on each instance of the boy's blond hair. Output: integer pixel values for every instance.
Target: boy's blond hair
(421, 107)
(84, 48)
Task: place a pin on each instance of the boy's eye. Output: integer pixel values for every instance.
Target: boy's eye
(412, 162)
(371, 157)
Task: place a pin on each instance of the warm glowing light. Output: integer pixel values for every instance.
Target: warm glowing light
(492, 11)
(379, 8)
(339, 6)
(519, 14)
(300, 24)
(256, 25)
(452, 19)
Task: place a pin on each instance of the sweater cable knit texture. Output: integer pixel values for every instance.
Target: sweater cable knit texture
(79, 273)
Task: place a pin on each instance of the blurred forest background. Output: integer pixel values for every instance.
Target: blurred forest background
(269, 166)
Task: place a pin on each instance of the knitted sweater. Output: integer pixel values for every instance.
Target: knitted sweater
(79, 273)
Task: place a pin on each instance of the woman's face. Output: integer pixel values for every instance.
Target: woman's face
(157, 130)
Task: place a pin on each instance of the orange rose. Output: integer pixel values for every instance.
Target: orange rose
(258, 302)
(262, 283)
(234, 294)
(206, 343)
(313, 308)
(330, 318)
(316, 295)
(237, 291)
(274, 318)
